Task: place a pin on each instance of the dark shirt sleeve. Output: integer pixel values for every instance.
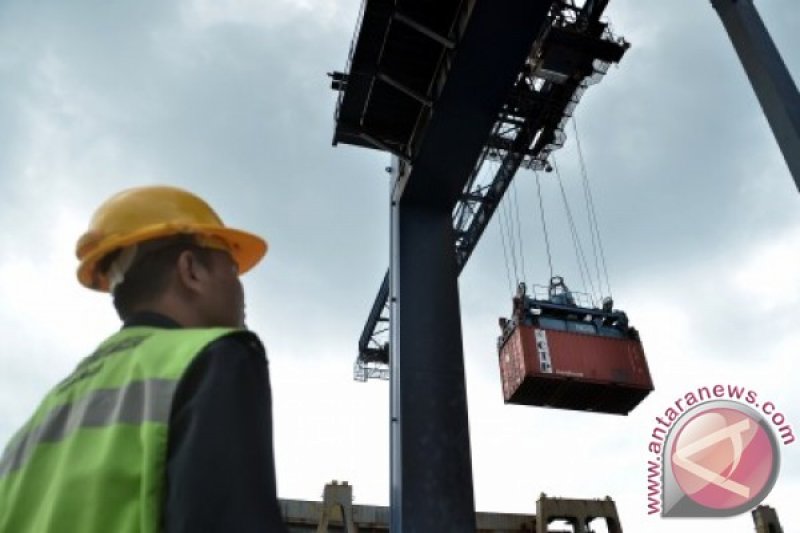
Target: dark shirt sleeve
(220, 465)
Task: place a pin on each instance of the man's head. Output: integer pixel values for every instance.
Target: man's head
(165, 250)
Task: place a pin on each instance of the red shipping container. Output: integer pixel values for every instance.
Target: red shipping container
(572, 370)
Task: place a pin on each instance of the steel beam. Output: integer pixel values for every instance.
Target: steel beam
(431, 467)
(421, 98)
(441, 39)
(771, 80)
(377, 143)
(490, 54)
(374, 317)
(592, 10)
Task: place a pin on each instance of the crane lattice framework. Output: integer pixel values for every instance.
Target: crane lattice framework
(572, 51)
(445, 86)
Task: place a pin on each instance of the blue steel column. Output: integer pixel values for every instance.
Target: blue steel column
(395, 448)
(771, 80)
(431, 465)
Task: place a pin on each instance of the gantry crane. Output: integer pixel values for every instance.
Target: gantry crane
(444, 86)
(573, 51)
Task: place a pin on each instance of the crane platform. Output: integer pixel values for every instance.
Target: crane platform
(441, 86)
(336, 512)
(408, 89)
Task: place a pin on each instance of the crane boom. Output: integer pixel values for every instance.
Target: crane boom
(771, 80)
(573, 53)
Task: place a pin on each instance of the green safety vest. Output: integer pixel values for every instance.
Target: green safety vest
(92, 457)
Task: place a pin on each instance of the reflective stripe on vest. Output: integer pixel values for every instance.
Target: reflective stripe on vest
(92, 457)
(138, 402)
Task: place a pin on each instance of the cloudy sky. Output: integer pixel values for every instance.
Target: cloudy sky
(699, 216)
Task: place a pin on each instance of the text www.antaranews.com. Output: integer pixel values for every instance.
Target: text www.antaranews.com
(690, 399)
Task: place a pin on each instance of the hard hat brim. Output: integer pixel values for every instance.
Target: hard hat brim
(245, 248)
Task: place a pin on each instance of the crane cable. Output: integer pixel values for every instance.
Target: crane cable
(594, 226)
(505, 255)
(544, 224)
(502, 230)
(505, 212)
(583, 267)
(519, 231)
(511, 235)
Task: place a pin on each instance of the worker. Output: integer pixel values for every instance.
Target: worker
(167, 425)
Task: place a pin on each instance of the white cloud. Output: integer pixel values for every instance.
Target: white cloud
(767, 277)
(229, 98)
(47, 320)
(266, 14)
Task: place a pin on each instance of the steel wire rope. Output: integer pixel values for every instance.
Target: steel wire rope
(583, 267)
(590, 221)
(593, 223)
(505, 211)
(544, 224)
(519, 230)
(505, 215)
(505, 254)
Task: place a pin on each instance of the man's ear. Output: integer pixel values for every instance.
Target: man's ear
(191, 272)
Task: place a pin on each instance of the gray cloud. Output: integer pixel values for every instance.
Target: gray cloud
(230, 99)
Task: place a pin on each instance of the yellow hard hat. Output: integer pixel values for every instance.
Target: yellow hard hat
(142, 214)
